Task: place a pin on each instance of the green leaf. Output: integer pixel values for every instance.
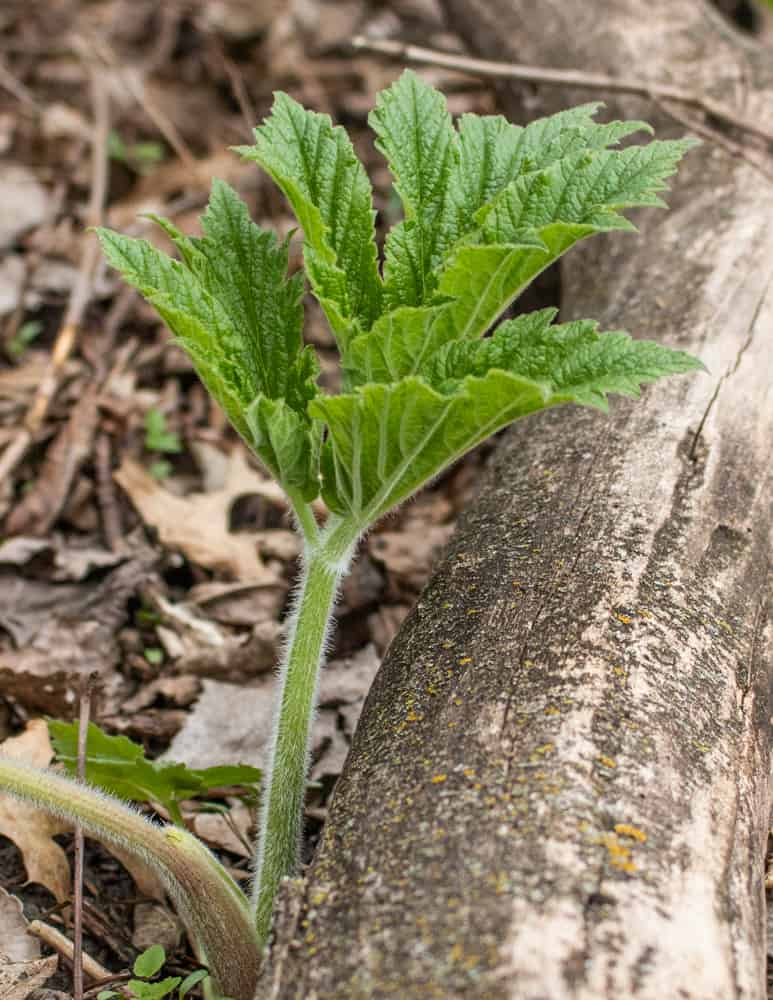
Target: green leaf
(157, 436)
(493, 153)
(288, 446)
(191, 980)
(386, 441)
(153, 991)
(417, 137)
(150, 961)
(315, 166)
(578, 363)
(232, 308)
(537, 218)
(118, 765)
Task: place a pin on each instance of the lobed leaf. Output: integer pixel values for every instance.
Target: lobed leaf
(416, 135)
(578, 363)
(314, 164)
(232, 307)
(386, 441)
(119, 766)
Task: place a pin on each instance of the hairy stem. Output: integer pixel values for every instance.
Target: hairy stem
(212, 906)
(283, 794)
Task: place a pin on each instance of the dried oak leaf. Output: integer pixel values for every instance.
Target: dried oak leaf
(19, 979)
(198, 524)
(16, 945)
(65, 632)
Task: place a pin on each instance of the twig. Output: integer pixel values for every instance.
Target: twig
(134, 85)
(56, 940)
(81, 292)
(560, 78)
(712, 135)
(111, 516)
(23, 94)
(77, 895)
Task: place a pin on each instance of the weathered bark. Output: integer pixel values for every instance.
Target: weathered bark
(559, 784)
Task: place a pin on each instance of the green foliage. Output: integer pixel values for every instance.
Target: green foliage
(118, 765)
(141, 157)
(26, 334)
(157, 436)
(147, 965)
(487, 207)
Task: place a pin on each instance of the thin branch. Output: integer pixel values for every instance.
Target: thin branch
(560, 78)
(77, 928)
(81, 291)
(56, 940)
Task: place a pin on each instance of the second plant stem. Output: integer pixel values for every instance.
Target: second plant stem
(284, 790)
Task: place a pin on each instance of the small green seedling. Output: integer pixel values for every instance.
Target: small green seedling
(487, 207)
(146, 966)
(159, 438)
(119, 766)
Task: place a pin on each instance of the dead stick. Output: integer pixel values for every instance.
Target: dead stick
(81, 292)
(56, 940)
(559, 78)
(77, 895)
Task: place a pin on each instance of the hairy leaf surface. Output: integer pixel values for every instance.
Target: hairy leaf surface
(417, 137)
(578, 363)
(231, 306)
(314, 164)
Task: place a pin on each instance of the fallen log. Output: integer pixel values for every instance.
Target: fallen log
(559, 784)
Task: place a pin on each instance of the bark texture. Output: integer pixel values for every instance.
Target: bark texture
(559, 784)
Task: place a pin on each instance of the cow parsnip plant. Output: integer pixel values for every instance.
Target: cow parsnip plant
(488, 206)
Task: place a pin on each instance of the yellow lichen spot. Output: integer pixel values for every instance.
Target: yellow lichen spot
(625, 619)
(644, 613)
(620, 671)
(414, 716)
(552, 710)
(430, 689)
(490, 800)
(725, 625)
(446, 604)
(465, 660)
(473, 611)
(608, 762)
(438, 779)
(626, 830)
(310, 937)
(469, 772)
(517, 583)
(624, 866)
(446, 644)
(457, 700)
(477, 786)
(546, 748)
(456, 953)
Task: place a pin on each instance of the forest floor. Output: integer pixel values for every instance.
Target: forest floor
(141, 546)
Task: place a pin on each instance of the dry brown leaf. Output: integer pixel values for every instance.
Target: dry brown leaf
(16, 945)
(19, 979)
(198, 524)
(32, 829)
(65, 632)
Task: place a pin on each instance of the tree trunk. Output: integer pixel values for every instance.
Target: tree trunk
(559, 784)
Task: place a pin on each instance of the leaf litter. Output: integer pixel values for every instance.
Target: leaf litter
(175, 589)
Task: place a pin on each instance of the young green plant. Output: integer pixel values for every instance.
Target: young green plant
(487, 207)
